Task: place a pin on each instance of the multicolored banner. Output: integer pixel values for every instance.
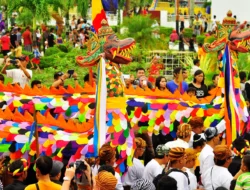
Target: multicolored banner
(98, 14)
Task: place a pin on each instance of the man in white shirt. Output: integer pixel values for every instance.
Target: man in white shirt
(178, 159)
(21, 75)
(183, 137)
(206, 157)
(196, 66)
(136, 171)
(156, 165)
(218, 175)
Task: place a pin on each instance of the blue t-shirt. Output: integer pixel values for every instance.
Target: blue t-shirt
(172, 86)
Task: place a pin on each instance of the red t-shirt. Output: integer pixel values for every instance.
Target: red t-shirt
(5, 41)
(27, 38)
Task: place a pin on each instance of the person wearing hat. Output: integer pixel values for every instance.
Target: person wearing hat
(218, 175)
(142, 184)
(135, 172)
(191, 158)
(178, 159)
(183, 137)
(107, 156)
(156, 165)
(197, 128)
(206, 157)
(60, 77)
(18, 170)
(20, 75)
(105, 181)
(55, 173)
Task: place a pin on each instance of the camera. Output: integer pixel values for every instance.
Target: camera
(13, 61)
(80, 166)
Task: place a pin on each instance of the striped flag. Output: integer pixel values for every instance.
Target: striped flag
(98, 14)
(232, 97)
(100, 110)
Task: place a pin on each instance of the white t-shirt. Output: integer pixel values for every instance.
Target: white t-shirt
(134, 172)
(152, 169)
(177, 143)
(220, 177)
(18, 76)
(182, 180)
(206, 158)
(192, 178)
(118, 186)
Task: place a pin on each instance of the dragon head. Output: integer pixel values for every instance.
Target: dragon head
(115, 50)
(118, 51)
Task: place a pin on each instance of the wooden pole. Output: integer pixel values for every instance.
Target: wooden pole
(36, 134)
(91, 80)
(177, 2)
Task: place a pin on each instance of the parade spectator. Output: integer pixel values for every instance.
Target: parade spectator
(184, 74)
(197, 26)
(191, 43)
(55, 172)
(183, 137)
(136, 171)
(105, 181)
(107, 156)
(218, 175)
(27, 39)
(177, 83)
(59, 40)
(18, 50)
(21, 75)
(199, 85)
(181, 40)
(178, 159)
(139, 73)
(215, 80)
(190, 163)
(68, 176)
(60, 77)
(198, 143)
(5, 43)
(51, 38)
(1, 79)
(142, 184)
(36, 83)
(19, 36)
(44, 166)
(247, 88)
(206, 157)
(160, 83)
(191, 92)
(18, 170)
(73, 23)
(174, 36)
(38, 39)
(13, 38)
(37, 56)
(196, 66)
(167, 182)
(197, 126)
(45, 38)
(239, 147)
(154, 167)
(243, 181)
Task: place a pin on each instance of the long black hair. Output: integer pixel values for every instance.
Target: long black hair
(198, 72)
(158, 80)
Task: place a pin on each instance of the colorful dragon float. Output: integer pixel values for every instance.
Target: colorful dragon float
(74, 122)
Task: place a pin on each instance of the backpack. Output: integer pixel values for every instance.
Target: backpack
(176, 170)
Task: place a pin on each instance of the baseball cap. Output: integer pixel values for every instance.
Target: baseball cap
(210, 132)
(162, 150)
(58, 74)
(56, 168)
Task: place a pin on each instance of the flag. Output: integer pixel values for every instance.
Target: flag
(232, 97)
(100, 110)
(98, 14)
(153, 5)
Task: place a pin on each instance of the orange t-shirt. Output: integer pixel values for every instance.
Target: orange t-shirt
(44, 186)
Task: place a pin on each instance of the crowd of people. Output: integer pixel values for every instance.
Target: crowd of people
(196, 160)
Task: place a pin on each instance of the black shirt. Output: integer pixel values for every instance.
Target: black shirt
(200, 92)
(13, 39)
(16, 185)
(51, 42)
